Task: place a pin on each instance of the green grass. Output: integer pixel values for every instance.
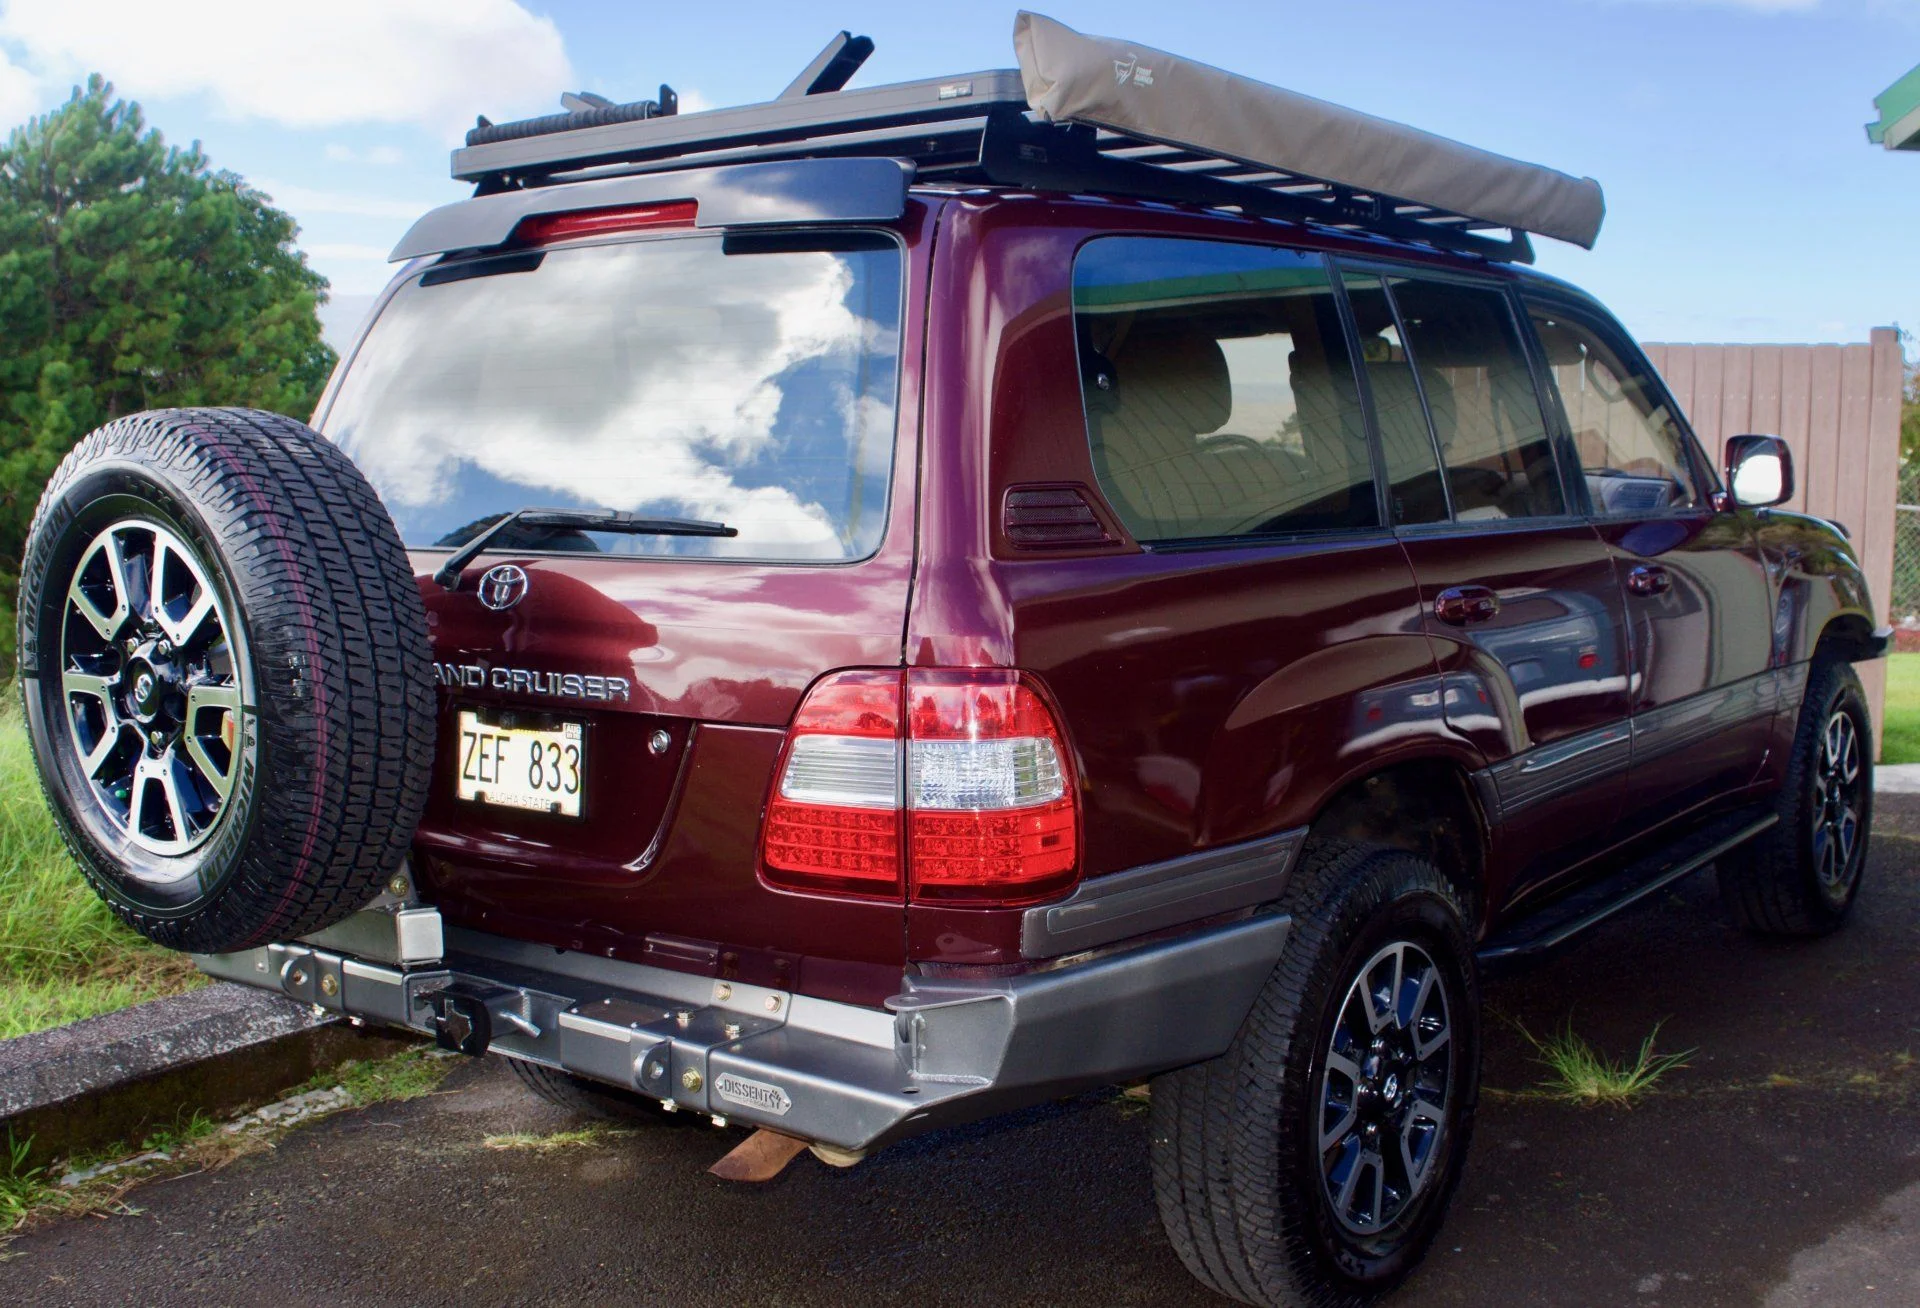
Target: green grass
(1900, 720)
(62, 955)
(1580, 1074)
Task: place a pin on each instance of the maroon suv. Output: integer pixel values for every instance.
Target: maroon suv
(890, 607)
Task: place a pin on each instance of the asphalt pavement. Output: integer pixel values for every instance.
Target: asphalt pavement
(1781, 1166)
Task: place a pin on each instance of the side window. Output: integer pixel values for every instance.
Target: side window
(1414, 491)
(1220, 397)
(1481, 399)
(1631, 450)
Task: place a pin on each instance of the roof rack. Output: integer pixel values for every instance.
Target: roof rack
(1054, 126)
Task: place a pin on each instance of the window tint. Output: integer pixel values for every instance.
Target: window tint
(1414, 492)
(1481, 400)
(1220, 397)
(1631, 451)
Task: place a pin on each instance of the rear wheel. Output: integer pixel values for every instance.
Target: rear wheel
(585, 1098)
(225, 667)
(1313, 1163)
(1800, 877)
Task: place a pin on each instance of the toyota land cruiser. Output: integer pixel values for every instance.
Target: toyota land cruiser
(866, 611)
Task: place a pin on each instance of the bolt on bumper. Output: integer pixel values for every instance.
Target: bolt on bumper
(943, 1050)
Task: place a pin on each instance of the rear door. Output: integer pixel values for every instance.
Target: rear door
(1517, 592)
(1693, 583)
(754, 380)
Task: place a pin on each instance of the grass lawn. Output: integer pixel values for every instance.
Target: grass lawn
(1900, 726)
(62, 955)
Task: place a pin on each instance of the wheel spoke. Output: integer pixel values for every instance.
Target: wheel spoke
(202, 699)
(106, 622)
(87, 683)
(1421, 1114)
(176, 809)
(181, 630)
(1381, 1002)
(1340, 1130)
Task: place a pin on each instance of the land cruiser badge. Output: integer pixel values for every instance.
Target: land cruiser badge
(752, 1094)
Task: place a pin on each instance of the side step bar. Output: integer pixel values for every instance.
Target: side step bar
(1586, 908)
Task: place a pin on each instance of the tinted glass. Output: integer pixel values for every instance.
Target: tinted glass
(1481, 399)
(1414, 490)
(746, 381)
(1631, 451)
(1220, 397)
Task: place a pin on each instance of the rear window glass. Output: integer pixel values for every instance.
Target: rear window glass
(1220, 396)
(748, 380)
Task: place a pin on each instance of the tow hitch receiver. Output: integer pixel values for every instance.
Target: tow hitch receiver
(466, 1017)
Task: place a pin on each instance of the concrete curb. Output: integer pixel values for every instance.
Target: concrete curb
(1897, 779)
(115, 1077)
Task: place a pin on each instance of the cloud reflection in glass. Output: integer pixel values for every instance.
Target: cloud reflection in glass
(748, 381)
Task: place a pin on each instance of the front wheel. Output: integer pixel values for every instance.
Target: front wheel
(1800, 877)
(1313, 1163)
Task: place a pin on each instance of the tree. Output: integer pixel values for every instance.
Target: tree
(133, 276)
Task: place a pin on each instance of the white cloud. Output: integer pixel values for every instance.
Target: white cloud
(423, 62)
(381, 156)
(20, 95)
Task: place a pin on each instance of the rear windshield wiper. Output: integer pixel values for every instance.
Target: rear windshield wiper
(616, 520)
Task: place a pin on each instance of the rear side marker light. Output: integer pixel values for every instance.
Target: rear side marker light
(949, 784)
(545, 228)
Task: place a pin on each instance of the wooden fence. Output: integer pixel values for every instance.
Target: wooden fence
(1838, 406)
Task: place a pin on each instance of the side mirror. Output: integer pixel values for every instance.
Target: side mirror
(1759, 472)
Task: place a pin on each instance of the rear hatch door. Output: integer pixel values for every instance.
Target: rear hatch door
(612, 703)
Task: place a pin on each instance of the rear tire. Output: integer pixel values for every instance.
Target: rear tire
(225, 665)
(1253, 1151)
(585, 1098)
(1801, 876)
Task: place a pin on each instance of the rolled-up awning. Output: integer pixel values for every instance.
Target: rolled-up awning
(1150, 94)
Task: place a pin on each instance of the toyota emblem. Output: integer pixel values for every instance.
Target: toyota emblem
(503, 586)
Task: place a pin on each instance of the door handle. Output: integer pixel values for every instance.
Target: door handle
(1649, 579)
(1460, 605)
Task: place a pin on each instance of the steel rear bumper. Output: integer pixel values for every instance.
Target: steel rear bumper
(942, 1050)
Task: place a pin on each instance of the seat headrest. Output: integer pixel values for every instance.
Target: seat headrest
(1175, 371)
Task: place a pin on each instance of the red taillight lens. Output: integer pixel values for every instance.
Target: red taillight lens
(540, 229)
(834, 820)
(984, 781)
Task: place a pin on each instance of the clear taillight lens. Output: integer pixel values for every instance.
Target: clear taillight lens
(973, 757)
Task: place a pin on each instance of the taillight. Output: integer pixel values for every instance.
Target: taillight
(984, 783)
(834, 819)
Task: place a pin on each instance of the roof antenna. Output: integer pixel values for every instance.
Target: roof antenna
(832, 68)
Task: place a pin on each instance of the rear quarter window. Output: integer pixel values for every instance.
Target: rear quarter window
(1219, 392)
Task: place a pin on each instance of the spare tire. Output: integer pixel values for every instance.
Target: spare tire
(227, 676)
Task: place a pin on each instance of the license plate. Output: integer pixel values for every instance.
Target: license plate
(534, 768)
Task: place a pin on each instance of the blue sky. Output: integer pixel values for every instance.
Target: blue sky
(1744, 203)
